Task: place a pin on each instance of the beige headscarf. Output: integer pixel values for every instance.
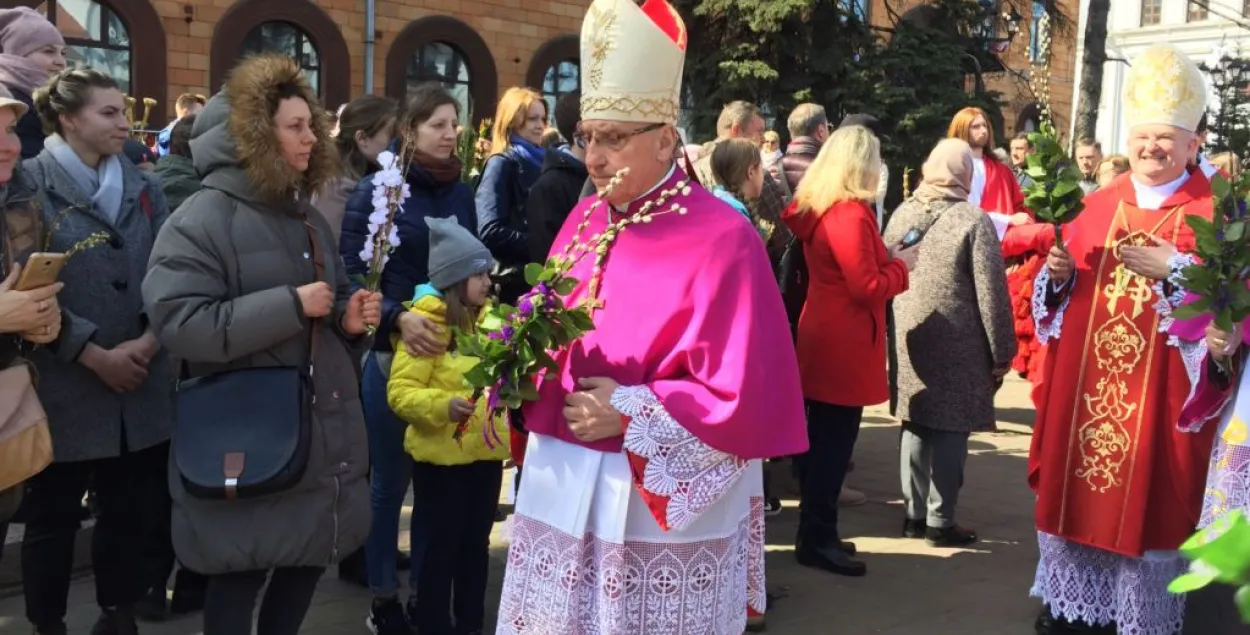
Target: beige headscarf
(947, 173)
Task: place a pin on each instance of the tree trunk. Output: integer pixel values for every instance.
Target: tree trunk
(1092, 63)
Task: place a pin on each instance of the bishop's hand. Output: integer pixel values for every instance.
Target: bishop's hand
(1150, 262)
(589, 412)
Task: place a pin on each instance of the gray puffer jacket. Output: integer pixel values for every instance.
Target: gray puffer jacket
(221, 293)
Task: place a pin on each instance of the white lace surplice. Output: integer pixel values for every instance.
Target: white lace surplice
(588, 558)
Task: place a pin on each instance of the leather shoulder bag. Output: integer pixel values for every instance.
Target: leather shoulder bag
(246, 433)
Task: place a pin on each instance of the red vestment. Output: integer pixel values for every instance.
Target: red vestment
(1107, 462)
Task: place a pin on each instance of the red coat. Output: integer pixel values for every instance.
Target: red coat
(841, 334)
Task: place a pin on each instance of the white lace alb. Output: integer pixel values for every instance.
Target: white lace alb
(691, 474)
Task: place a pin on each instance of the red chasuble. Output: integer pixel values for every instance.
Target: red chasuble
(1108, 465)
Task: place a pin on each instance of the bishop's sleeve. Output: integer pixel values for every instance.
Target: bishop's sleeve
(729, 390)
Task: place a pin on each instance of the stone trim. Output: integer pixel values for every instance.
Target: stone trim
(483, 76)
(322, 31)
(558, 49)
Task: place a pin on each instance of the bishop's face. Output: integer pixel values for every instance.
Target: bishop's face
(1159, 153)
(646, 149)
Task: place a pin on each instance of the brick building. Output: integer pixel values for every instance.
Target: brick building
(1009, 74)
(161, 48)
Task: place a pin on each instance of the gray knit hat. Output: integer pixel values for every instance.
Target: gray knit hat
(455, 253)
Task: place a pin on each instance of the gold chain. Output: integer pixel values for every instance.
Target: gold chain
(601, 243)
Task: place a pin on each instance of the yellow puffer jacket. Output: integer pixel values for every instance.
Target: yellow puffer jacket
(421, 388)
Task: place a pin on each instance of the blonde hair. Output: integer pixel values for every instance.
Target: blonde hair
(1229, 162)
(848, 168)
(513, 108)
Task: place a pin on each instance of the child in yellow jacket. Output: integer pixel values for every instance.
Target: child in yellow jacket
(455, 485)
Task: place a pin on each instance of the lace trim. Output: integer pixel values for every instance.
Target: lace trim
(757, 594)
(1047, 322)
(558, 584)
(1228, 481)
(1194, 356)
(1168, 302)
(691, 474)
(1098, 587)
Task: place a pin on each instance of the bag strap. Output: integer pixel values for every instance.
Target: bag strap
(319, 267)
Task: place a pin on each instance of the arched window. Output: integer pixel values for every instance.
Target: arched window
(95, 36)
(287, 39)
(561, 78)
(442, 63)
(1029, 119)
(440, 48)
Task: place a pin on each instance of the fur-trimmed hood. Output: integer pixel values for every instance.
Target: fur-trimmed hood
(233, 144)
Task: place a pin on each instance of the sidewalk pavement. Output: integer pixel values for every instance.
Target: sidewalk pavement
(910, 589)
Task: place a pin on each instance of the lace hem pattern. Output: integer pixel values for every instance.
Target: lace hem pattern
(1048, 322)
(1228, 480)
(690, 473)
(558, 584)
(1168, 302)
(1085, 584)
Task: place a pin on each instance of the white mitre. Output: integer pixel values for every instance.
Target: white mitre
(1164, 87)
(632, 61)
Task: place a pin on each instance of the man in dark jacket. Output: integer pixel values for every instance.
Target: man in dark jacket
(559, 187)
(809, 128)
(179, 179)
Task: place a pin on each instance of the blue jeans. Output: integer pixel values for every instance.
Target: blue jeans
(390, 472)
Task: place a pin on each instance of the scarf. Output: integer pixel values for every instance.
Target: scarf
(947, 173)
(443, 171)
(21, 73)
(529, 152)
(102, 185)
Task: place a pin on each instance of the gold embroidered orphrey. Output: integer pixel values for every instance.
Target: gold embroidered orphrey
(1119, 347)
(601, 43)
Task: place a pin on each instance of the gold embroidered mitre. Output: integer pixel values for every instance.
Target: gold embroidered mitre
(1164, 87)
(632, 60)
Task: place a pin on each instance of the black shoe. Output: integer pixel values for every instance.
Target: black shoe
(847, 547)
(118, 620)
(953, 536)
(189, 590)
(51, 629)
(500, 515)
(403, 561)
(387, 618)
(914, 528)
(352, 569)
(831, 559)
(153, 606)
(1047, 624)
(772, 506)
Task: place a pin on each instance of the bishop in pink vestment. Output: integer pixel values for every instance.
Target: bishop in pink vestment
(656, 527)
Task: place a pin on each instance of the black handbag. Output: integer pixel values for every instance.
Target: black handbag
(246, 433)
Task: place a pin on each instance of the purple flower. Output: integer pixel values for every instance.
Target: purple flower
(543, 289)
(492, 402)
(495, 335)
(1241, 209)
(507, 333)
(526, 305)
(1219, 235)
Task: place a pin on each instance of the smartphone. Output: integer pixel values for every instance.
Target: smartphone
(912, 237)
(41, 270)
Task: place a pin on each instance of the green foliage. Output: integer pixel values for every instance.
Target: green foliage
(1230, 120)
(515, 345)
(1219, 553)
(1223, 250)
(1055, 195)
(467, 150)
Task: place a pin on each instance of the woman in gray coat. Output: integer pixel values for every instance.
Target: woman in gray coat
(232, 285)
(104, 383)
(955, 341)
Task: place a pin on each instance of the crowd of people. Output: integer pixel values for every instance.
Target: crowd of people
(229, 257)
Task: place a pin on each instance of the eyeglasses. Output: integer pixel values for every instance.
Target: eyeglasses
(611, 140)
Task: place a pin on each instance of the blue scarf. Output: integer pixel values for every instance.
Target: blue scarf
(530, 152)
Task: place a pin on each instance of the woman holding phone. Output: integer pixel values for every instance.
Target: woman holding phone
(26, 317)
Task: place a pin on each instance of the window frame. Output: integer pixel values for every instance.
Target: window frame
(447, 82)
(302, 38)
(480, 63)
(1153, 9)
(1195, 12)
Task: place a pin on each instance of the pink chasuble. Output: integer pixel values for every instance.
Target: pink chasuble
(692, 314)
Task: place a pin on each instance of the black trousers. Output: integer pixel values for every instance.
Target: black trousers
(231, 600)
(831, 434)
(129, 489)
(453, 510)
